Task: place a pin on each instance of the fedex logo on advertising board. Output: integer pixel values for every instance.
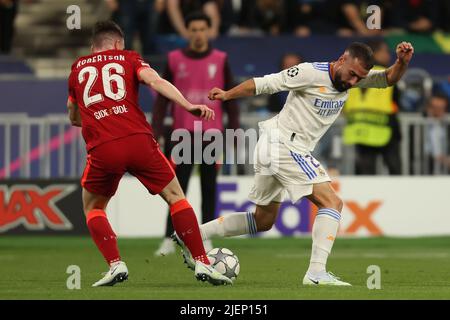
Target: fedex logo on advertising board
(361, 214)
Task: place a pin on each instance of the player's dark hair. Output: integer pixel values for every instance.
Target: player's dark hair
(195, 16)
(363, 52)
(104, 30)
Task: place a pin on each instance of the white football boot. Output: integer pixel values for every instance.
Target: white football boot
(204, 272)
(187, 256)
(118, 272)
(167, 247)
(323, 279)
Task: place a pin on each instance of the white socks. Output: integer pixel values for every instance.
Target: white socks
(324, 232)
(234, 224)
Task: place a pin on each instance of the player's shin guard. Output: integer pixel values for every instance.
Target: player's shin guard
(234, 224)
(186, 226)
(324, 233)
(103, 235)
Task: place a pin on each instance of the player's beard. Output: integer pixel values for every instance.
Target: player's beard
(338, 84)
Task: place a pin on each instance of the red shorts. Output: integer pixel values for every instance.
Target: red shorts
(137, 154)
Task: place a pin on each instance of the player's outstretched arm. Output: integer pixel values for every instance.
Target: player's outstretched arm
(164, 87)
(245, 89)
(394, 73)
(74, 113)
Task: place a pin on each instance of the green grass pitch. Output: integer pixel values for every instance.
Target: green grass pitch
(415, 268)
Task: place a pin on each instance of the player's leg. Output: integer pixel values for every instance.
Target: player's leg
(265, 216)
(208, 181)
(242, 223)
(104, 237)
(365, 163)
(97, 222)
(184, 219)
(155, 172)
(183, 172)
(324, 233)
(392, 157)
(187, 230)
(304, 176)
(100, 180)
(267, 194)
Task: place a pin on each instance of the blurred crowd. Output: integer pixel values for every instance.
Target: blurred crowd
(151, 18)
(418, 91)
(344, 18)
(276, 17)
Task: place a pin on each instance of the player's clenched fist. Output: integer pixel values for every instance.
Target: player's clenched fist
(216, 94)
(404, 52)
(202, 111)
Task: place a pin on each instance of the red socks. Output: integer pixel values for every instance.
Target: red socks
(183, 219)
(186, 225)
(103, 235)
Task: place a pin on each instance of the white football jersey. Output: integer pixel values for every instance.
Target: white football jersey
(312, 105)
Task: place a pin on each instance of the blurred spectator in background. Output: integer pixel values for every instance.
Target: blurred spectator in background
(444, 10)
(306, 17)
(355, 16)
(229, 13)
(372, 121)
(414, 90)
(419, 16)
(277, 100)
(194, 71)
(259, 17)
(174, 12)
(444, 87)
(137, 16)
(436, 145)
(8, 12)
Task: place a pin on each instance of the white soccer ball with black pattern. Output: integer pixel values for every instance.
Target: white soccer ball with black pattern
(225, 261)
(292, 72)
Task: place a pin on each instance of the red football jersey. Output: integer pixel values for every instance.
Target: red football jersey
(105, 87)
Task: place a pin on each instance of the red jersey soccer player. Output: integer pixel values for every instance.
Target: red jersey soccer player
(103, 100)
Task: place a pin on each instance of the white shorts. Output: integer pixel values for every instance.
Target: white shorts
(278, 169)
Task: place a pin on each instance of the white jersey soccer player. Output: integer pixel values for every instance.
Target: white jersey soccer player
(283, 160)
(287, 139)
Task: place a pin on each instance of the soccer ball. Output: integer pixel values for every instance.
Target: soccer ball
(224, 261)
